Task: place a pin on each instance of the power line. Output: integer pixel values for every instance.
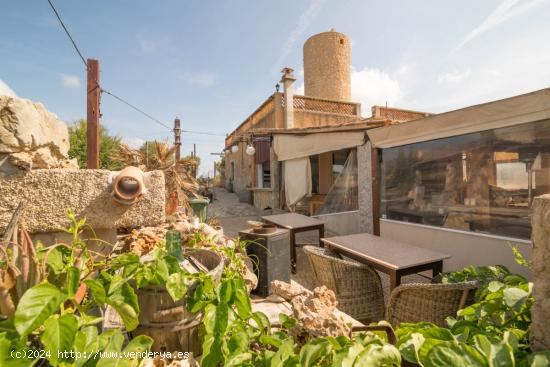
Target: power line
(137, 109)
(202, 133)
(115, 96)
(68, 34)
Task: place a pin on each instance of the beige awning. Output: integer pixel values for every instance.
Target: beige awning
(517, 110)
(298, 146)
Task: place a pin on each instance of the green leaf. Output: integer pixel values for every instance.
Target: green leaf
(116, 282)
(7, 346)
(262, 321)
(452, 354)
(139, 344)
(495, 286)
(86, 342)
(242, 304)
(501, 355)
(540, 359)
(36, 305)
(125, 303)
(375, 355)
(238, 359)
(58, 336)
(283, 355)
(411, 347)
(312, 351)
(73, 280)
(349, 358)
(176, 286)
(98, 292)
(515, 297)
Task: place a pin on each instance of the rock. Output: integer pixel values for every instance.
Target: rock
(31, 137)
(288, 290)
(247, 272)
(316, 315)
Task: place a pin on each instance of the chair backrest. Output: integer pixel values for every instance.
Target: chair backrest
(357, 286)
(415, 302)
(321, 261)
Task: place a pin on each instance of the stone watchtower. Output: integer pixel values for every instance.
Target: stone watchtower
(327, 66)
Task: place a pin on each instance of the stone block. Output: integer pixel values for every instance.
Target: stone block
(49, 193)
(540, 311)
(31, 137)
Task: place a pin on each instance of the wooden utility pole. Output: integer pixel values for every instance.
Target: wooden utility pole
(195, 156)
(92, 116)
(177, 138)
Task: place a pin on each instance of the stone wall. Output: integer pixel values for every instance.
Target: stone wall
(540, 312)
(364, 180)
(49, 193)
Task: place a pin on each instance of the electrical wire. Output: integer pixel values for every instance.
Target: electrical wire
(137, 109)
(115, 96)
(68, 34)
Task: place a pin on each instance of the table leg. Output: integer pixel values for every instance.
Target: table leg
(395, 279)
(293, 251)
(438, 268)
(321, 235)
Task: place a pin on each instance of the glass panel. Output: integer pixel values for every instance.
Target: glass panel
(314, 163)
(481, 182)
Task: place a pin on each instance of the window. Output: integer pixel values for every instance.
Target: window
(314, 163)
(481, 182)
(339, 158)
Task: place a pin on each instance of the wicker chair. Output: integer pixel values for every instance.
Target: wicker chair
(415, 302)
(357, 287)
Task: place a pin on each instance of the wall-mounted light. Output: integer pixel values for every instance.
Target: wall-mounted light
(235, 148)
(250, 150)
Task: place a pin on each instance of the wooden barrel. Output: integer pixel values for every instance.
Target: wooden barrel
(168, 322)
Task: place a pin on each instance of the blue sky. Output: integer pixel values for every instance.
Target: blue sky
(213, 62)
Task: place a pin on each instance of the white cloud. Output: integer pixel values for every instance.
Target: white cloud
(146, 45)
(506, 10)
(455, 76)
(303, 23)
(132, 142)
(71, 81)
(5, 90)
(372, 86)
(202, 79)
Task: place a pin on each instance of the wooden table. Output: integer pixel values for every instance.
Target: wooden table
(296, 223)
(391, 257)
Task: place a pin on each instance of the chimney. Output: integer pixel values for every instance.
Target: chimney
(288, 79)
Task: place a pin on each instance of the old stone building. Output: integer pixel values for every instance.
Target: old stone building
(256, 173)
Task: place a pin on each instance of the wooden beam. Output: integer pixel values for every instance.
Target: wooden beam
(92, 116)
(375, 182)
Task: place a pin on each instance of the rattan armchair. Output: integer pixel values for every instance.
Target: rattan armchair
(415, 302)
(357, 286)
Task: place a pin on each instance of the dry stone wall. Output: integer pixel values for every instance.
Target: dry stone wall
(49, 193)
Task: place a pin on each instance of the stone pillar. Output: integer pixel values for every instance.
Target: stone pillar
(275, 179)
(540, 312)
(288, 79)
(364, 170)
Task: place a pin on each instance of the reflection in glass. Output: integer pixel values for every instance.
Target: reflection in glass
(482, 182)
